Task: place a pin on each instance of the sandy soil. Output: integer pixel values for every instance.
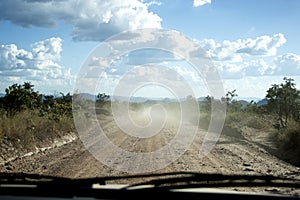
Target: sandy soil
(248, 153)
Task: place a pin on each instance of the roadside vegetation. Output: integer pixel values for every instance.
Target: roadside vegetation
(29, 117)
(279, 116)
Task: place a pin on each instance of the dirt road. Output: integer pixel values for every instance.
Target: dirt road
(232, 154)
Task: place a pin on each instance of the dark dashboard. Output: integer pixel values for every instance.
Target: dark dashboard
(179, 185)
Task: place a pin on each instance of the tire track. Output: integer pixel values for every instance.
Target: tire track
(230, 155)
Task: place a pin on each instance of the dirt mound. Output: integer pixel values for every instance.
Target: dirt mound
(15, 148)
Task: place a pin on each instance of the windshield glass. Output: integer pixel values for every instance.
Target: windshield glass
(110, 88)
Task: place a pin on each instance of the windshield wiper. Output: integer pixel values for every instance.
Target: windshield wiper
(196, 180)
(161, 183)
(173, 179)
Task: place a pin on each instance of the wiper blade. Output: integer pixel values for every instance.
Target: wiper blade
(21, 184)
(26, 176)
(162, 180)
(198, 180)
(21, 178)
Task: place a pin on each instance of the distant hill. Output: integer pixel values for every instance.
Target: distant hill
(201, 98)
(262, 102)
(131, 99)
(88, 96)
(249, 99)
(2, 95)
(244, 103)
(243, 100)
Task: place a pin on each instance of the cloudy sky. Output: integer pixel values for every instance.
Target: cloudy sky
(253, 44)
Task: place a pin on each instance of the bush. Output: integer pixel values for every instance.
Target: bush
(204, 120)
(28, 124)
(288, 140)
(232, 117)
(255, 122)
(232, 132)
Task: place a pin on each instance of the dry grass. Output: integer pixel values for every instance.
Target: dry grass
(28, 127)
(288, 140)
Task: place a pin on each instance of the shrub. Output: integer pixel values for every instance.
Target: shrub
(234, 117)
(28, 124)
(204, 120)
(232, 132)
(288, 140)
(255, 122)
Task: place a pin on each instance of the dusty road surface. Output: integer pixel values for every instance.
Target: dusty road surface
(238, 154)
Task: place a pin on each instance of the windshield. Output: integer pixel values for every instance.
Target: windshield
(110, 88)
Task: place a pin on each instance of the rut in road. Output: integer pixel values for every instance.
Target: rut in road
(230, 155)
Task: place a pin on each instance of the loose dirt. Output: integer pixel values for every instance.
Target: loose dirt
(248, 153)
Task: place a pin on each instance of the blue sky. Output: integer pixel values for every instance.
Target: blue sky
(253, 44)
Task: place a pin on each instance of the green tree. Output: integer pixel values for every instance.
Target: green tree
(21, 97)
(230, 95)
(56, 108)
(102, 100)
(102, 97)
(283, 99)
(232, 104)
(207, 103)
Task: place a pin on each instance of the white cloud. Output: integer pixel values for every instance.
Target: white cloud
(38, 64)
(187, 73)
(256, 67)
(201, 2)
(235, 50)
(221, 51)
(259, 68)
(48, 49)
(283, 65)
(92, 20)
(252, 57)
(263, 45)
(288, 63)
(229, 70)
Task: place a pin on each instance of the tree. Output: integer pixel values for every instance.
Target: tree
(102, 99)
(283, 100)
(230, 95)
(232, 104)
(208, 102)
(21, 97)
(252, 107)
(57, 108)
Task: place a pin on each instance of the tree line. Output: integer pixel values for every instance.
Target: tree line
(282, 100)
(23, 97)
